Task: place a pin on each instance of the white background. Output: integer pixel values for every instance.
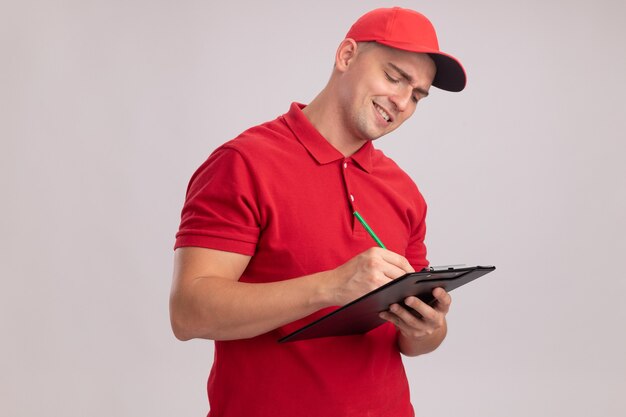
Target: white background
(107, 107)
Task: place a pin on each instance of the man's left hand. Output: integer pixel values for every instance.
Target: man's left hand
(425, 331)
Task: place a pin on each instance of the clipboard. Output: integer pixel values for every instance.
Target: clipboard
(361, 315)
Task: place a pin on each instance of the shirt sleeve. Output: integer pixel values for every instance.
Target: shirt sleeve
(221, 210)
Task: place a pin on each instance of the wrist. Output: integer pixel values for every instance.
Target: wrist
(324, 292)
(410, 346)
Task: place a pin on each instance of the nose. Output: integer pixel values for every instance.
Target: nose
(402, 98)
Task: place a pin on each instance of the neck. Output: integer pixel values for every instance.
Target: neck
(326, 116)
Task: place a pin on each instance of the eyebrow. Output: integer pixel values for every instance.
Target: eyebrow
(407, 77)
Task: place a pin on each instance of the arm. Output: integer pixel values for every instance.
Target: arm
(208, 301)
(417, 336)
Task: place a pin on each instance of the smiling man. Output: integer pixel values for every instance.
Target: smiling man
(249, 270)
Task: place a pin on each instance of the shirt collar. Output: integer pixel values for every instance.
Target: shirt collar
(318, 146)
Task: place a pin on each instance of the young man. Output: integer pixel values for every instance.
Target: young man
(268, 240)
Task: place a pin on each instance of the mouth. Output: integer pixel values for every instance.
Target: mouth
(383, 113)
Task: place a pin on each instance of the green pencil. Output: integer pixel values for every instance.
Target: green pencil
(369, 229)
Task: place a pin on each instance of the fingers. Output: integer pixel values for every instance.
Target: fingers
(442, 304)
(400, 316)
(366, 272)
(397, 260)
(425, 313)
(407, 323)
(443, 300)
(423, 319)
(392, 271)
(394, 265)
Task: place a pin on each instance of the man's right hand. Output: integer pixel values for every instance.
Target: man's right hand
(366, 272)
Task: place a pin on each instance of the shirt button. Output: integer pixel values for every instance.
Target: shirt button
(352, 198)
(345, 165)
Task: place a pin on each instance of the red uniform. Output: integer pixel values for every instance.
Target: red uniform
(282, 194)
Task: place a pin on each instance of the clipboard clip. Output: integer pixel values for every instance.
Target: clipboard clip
(445, 267)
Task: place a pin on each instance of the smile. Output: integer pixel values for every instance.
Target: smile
(383, 113)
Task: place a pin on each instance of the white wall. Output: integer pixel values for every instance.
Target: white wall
(107, 107)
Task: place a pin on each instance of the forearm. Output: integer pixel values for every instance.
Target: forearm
(223, 309)
(418, 346)
(208, 300)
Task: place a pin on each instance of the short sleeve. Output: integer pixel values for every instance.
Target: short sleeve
(221, 210)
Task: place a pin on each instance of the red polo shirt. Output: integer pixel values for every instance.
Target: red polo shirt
(282, 194)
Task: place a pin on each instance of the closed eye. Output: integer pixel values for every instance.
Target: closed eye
(391, 79)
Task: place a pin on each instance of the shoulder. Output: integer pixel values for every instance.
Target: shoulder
(255, 151)
(262, 141)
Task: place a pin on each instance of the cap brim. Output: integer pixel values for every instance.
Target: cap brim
(450, 73)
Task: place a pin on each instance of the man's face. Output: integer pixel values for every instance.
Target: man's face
(381, 88)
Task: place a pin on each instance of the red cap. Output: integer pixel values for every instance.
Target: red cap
(410, 31)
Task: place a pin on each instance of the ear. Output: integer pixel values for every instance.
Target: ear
(346, 52)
